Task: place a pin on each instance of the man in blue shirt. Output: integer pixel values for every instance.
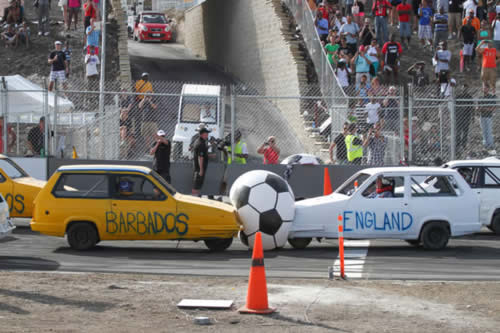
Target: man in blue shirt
(425, 24)
(93, 36)
(362, 63)
(440, 27)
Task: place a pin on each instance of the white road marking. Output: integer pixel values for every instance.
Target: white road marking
(355, 252)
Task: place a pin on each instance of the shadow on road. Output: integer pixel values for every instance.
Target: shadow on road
(27, 263)
(54, 300)
(14, 309)
(463, 252)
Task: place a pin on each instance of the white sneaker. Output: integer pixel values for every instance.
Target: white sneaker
(39, 33)
(492, 152)
(46, 33)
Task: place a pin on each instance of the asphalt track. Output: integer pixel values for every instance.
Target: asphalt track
(475, 257)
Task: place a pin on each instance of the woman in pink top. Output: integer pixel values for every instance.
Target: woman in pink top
(73, 10)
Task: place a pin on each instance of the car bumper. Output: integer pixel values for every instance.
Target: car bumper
(160, 36)
(50, 229)
(6, 228)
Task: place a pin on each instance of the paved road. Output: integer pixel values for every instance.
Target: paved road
(472, 258)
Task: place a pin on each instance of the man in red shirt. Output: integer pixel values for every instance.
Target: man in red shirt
(270, 151)
(404, 12)
(489, 67)
(380, 9)
(323, 10)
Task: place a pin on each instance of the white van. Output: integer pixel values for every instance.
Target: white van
(198, 104)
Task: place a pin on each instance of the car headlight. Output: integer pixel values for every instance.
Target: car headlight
(144, 28)
(167, 28)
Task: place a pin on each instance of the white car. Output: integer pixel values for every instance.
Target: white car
(411, 213)
(484, 178)
(6, 225)
(303, 159)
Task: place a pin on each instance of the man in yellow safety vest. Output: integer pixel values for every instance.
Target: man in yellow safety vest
(354, 146)
(240, 150)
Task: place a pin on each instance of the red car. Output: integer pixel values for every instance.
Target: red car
(152, 26)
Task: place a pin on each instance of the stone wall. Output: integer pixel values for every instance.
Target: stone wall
(125, 75)
(245, 38)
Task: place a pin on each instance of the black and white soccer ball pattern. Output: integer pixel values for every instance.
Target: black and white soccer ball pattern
(265, 203)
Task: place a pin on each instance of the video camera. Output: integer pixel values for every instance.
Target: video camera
(221, 143)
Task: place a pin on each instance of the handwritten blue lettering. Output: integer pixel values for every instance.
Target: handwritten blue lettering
(153, 223)
(366, 220)
(15, 202)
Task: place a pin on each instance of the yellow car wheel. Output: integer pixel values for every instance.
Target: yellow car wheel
(82, 236)
(217, 245)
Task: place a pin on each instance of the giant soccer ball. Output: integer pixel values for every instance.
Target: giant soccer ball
(265, 203)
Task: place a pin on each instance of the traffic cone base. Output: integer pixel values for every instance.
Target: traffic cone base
(252, 311)
(257, 285)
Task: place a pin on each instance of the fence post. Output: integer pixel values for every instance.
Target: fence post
(54, 126)
(410, 123)
(47, 121)
(452, 104)
(17, 137)
(233, 120)
(5, 107)
(401, 122)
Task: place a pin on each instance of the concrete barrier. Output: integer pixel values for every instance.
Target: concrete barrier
(306, 180)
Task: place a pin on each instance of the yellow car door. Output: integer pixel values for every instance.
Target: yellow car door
(141, 210)
(6, 188)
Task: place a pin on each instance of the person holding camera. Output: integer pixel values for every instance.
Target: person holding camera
(376, 144)
(270, 151)
(161, 152)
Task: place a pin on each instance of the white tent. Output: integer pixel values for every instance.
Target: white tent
(25, 100)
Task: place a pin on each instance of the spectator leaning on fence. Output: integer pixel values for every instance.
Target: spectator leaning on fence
(339, 143)
(36, 138)
(58, 66)
(376, 143)
(270, 151)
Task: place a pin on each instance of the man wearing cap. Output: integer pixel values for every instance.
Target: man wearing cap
(143, 86)
(59, 65)
(240, 150)
(200, 161)
(161, 152)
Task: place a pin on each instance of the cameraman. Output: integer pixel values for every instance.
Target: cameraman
(240, 150)
(270, 151)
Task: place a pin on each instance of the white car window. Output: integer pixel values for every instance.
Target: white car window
(440, 188)
(351, 185)
(492, 176)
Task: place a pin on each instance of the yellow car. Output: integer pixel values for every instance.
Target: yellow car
(18, 189)
(92, 203)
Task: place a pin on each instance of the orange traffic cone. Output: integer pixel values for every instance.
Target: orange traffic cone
(327, 184)
(257, 286)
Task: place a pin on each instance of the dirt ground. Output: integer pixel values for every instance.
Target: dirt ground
(68, 302)
(31, 62)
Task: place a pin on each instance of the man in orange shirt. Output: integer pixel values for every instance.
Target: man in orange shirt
(474, 21)
(489, 66)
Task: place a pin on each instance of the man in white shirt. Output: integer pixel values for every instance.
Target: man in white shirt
(91, 62)
(442, 58)
(470, 5)
(372, 110)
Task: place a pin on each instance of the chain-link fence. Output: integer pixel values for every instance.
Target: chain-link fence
(421, 125)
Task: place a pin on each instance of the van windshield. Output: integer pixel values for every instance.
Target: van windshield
(199, 109)
(12, 169)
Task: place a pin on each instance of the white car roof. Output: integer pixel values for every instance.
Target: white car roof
(105, 167)
(412, 170)
(493, 161)
(200, 90)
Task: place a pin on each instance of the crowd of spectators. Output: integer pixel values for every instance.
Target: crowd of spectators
(13, 28)
(365, 47)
